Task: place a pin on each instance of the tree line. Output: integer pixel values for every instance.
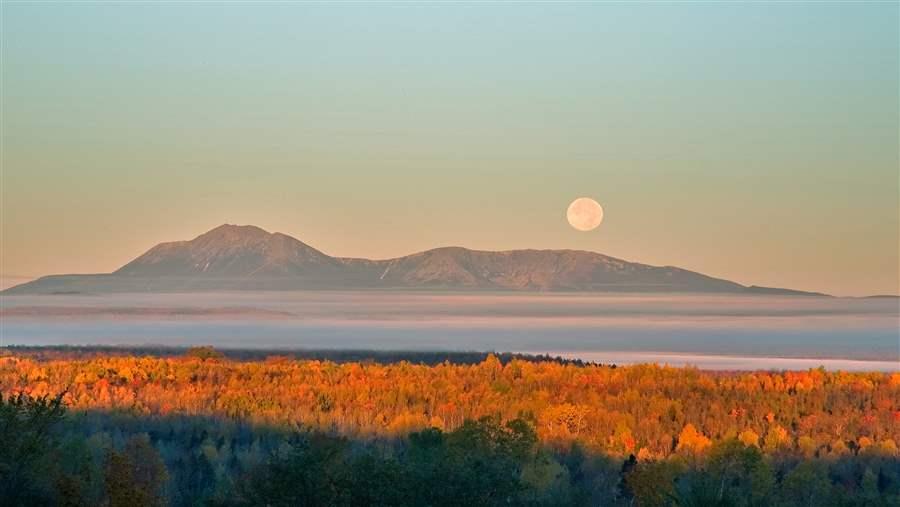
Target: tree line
(207, 430)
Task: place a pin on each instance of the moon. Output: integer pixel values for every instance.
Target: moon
(584, 214)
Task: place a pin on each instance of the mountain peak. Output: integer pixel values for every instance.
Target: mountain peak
(228, 250)
(231, 231)
(246, 257)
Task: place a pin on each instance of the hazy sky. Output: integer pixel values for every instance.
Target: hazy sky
(755, 142)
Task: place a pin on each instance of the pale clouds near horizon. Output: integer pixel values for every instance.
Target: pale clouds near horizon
(756, 327)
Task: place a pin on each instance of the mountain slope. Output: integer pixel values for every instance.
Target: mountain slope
(575, 270)
(232, 257)
(230, 250)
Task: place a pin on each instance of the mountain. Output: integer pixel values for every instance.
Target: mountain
(233, 257)
(231, 251)
(542, 270)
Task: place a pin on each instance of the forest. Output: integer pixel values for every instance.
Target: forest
(199, 427)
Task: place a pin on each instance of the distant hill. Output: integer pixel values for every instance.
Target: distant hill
(233, 257)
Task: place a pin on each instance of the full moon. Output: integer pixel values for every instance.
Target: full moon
(584, 214)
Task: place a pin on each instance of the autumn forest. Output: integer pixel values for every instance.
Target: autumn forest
(198, 428)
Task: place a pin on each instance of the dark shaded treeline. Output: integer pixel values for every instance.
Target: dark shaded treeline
(427, 357)
(51, 457)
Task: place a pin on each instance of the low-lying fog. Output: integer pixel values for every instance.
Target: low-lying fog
(713, 331)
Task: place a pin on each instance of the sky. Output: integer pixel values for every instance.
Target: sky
(756, 142)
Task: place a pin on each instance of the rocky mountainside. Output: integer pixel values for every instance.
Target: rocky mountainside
(232, 257)
(539, 270)
(231, 250)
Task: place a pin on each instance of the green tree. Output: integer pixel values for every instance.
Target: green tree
(807, 485)
(741, 472)
(27, 447)
(311, 472)
(479, 463)
(869, 494)
(700, 490)
(653, 482)
(136, 476)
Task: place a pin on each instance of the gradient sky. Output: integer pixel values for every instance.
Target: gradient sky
(754, 142)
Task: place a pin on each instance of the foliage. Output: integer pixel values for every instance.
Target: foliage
(27, 445)
(144, 430)
(205, 352)
(480, 463)
(136, 475)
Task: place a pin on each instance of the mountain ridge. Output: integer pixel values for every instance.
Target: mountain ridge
(246, 257)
